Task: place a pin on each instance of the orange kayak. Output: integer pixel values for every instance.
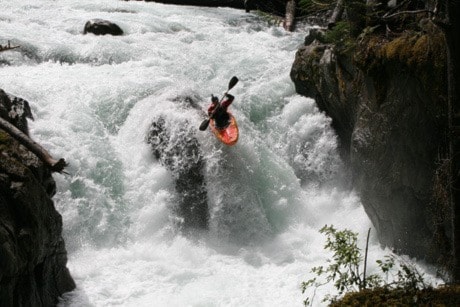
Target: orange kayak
(227, 135)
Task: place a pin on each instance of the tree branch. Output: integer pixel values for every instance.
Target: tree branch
(337, 13)
(290, 15)
(7, 47)
(407, 13)
(39, 151)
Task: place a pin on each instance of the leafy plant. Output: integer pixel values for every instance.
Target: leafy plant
(347, 274)
(313, 6)
(340, 36)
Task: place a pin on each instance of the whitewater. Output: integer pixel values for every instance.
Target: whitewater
(94, 99)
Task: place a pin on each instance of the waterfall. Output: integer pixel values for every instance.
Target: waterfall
(254, 236)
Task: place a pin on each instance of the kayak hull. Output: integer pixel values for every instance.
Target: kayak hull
(229, 135)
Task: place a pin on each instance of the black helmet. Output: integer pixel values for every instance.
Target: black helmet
(214, 98)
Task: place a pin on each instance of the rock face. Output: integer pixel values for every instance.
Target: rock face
(102, 27)
(33, 257)
(388, 105)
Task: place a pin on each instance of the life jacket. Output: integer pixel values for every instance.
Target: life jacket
(221, 118)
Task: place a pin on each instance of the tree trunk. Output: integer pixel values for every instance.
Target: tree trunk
(289, 18)
(337, 13)
(40, 152)
(7, 47)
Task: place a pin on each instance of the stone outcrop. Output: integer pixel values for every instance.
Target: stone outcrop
(33, 257)
(175, 146)
(102, 27)
(387, 101)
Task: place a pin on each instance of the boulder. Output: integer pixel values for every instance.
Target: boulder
(175, 146)
(33, 257)
(102, 27)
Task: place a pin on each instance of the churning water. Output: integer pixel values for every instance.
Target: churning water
(94, 99)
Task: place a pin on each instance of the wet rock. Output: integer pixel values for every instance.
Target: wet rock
(15, 110)
(102, 27)
(391, 122)
(175, 146)
(33, 257)
(315, 34)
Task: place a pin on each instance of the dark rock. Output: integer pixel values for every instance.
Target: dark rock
(102, 27)
(15, 110)
(391, 121)
(315, 34)
(33, 257)
(175, 146)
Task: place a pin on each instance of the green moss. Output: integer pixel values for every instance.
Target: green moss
(340, 36)
(398, 49)
(415, 50)
(5, 140)
(314, 6)
(419, 53)
(3, 137)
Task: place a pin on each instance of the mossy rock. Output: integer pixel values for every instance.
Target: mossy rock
(6, 142)
(4, 138)
(15, 159)
(442, 296)
(421, 54)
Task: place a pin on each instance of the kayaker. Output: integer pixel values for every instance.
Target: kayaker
(218, 112)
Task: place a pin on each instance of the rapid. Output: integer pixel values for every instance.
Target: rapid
(94, 99)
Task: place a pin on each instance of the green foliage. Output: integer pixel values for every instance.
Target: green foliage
(344, 269)
(314, 6)
(340, 36)
(3, 137)
(271, 19)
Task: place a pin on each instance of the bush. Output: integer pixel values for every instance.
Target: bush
(344, 269)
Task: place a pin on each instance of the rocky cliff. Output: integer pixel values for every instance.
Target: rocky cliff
(33, 257)
(386, 95)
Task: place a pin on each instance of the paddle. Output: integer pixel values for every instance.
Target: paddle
(204, 125)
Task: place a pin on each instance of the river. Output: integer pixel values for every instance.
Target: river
(94, 99)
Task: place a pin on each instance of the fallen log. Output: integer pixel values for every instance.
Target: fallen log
(39, 151)
(289, 18)
(337, 13)
(7, 47)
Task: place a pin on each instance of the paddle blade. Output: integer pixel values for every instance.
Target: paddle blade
(233, 82)
(204, 125)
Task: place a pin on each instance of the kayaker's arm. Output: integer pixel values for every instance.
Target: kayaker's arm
(212, 108)
(227, 101)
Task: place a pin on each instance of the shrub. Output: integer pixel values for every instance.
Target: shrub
(344, 269)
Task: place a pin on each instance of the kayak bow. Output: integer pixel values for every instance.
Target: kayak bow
(228, 135)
